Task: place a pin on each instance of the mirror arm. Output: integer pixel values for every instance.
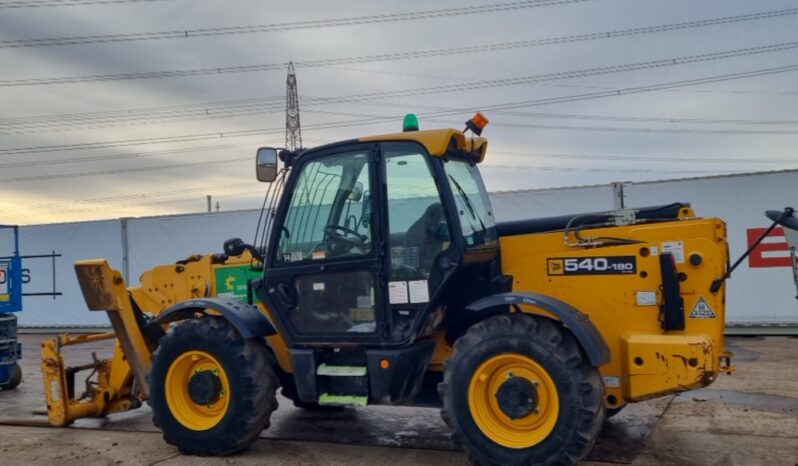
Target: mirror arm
(716, 284)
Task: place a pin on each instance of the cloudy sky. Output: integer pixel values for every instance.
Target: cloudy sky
(578, 92)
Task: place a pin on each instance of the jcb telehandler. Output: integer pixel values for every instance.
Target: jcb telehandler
(379, 275)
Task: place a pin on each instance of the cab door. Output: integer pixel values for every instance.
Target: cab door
(324, 263)
(421, 255)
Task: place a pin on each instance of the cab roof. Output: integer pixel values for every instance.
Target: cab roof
(438, 141)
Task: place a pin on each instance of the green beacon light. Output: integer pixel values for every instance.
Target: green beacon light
(410, 123)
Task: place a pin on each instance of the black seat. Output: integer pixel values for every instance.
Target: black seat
(423, 235)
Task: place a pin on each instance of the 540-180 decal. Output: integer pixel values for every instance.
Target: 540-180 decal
(598, 265)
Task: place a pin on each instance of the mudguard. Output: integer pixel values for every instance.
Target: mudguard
(246, 318)
(580, 324)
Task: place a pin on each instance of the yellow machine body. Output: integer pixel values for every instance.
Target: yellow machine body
(646, 361)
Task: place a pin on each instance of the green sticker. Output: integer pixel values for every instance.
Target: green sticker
(231, 282)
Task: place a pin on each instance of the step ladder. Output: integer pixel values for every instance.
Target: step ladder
(357, 375)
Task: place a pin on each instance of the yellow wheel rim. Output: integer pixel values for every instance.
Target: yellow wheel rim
(188, 413)
(518, 433)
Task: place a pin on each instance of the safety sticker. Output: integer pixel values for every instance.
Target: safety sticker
(318, 255)
(611, 381)
(601, 265)
(419, 291)
(646, 298)
(318, 286)
(397, 292)
(701, 310)
(675, 248)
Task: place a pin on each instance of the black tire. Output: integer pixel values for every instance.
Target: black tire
(14, 380)
(252, 379)
(578, 385)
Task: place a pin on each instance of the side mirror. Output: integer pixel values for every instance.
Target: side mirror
(786, 218)
(266, 164)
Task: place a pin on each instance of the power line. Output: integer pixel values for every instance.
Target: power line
(172, 139)
(605, 169)
(219, 111)
(572, 86)
(129, 156)
(242, 159)
(119, 170)
(289, 26)
(52, 3)
(329, 62)
(532, 79)
(646, 159)
(613, 129)
(643, 119)
(256, 106)
(104, 158)
(93, 120)
(503, 106)
(139, 196)
(641, 89)
(194, 149)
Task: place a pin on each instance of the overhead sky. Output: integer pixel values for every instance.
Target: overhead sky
(81, 139)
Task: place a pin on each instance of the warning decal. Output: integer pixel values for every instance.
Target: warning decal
(701, 310)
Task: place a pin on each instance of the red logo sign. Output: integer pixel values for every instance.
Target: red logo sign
(770, 253)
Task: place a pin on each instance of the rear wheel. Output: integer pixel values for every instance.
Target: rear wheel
(14, 379)
(212, 391)
(518, 391)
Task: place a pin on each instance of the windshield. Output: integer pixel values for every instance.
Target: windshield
(473, 206)
(329, 215)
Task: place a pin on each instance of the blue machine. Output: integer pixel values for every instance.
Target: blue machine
(10, 302)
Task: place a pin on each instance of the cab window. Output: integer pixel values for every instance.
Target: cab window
(477, 222)
(417, 224)
(329, 213)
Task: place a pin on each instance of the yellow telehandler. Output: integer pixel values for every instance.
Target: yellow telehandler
(379, 275)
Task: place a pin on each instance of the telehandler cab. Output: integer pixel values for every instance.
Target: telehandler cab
(380, 276)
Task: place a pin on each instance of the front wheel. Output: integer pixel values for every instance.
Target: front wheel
(518, 391)
(211, 391)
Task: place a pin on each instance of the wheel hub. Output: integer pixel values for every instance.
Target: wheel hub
(204, 387)
(517, 397)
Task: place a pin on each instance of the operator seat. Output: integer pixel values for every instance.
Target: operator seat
(425, 237)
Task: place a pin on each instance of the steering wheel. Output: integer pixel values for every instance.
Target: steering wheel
(344, 236)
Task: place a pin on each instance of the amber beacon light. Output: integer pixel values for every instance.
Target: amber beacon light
(477, 123)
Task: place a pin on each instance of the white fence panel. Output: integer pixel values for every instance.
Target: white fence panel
(154, 241)
(73, 241)
(517, 205)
